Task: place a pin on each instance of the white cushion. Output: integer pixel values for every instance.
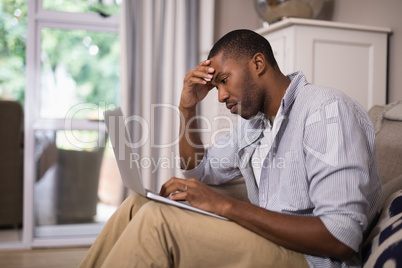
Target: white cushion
(383, 247)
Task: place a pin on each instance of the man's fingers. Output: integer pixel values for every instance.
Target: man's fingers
(173, 185)
(203, 73)
(204, 63)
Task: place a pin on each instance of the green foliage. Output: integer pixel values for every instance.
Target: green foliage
(90, 59)
(105, 8)
(13, 27)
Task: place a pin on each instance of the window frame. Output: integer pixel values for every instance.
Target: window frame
(39, 18)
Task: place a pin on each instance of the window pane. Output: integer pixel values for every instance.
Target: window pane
(74, 185)
(13, 27)
(77, 67)
(105, 7)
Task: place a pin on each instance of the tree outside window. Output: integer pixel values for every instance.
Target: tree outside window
(13, 30)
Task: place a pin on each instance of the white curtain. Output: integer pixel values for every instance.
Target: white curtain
(159, 44)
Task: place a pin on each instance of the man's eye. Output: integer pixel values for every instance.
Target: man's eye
(224, 80)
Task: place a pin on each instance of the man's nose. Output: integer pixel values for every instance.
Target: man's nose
(223, 95)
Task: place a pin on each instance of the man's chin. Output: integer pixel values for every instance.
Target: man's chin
(247, 116)
(237, 109)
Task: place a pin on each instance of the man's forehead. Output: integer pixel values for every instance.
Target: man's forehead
(220, 61)
(217, 59)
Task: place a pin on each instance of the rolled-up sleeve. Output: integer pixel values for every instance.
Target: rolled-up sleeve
(219, 163)
(340, 166)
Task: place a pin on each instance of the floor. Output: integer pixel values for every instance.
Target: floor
(42, 258)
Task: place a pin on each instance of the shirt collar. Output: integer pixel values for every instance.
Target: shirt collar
(298, 80)
(253, 127)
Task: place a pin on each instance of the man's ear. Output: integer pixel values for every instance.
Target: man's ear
(259, 63)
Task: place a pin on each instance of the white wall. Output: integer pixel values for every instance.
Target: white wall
(235, 14)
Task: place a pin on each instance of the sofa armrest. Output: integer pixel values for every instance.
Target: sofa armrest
(390, 187)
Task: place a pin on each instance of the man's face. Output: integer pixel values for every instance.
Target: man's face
(236, 86)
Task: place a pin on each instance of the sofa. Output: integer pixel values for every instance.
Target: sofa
(382, 246)
(11, 163)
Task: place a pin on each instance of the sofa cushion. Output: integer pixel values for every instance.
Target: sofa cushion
(390, 187)
(388, 140)
(394, 111)
(384, 244)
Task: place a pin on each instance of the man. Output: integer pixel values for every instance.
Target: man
(311, 210)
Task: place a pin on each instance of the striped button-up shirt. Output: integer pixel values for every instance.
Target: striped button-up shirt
(322, 162)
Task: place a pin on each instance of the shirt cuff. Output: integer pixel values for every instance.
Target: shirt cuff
(196, 172)
(345, 229)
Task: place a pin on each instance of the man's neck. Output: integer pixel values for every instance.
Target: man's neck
(279, 87)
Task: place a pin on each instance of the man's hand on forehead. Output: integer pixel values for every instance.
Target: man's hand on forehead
(210, 71)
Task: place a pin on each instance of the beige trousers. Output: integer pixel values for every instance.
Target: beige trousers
(143, 233)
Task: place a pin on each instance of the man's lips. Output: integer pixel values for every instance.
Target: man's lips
(231, 107)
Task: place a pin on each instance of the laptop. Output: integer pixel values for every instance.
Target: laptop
(129, 169)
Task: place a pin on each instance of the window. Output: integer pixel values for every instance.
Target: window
(71, 176)
(77, 66)
(13, 27)
(13, 23)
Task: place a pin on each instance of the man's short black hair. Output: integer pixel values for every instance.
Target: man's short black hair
(243, 44)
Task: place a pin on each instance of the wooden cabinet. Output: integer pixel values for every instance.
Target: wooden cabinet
(351, 58)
